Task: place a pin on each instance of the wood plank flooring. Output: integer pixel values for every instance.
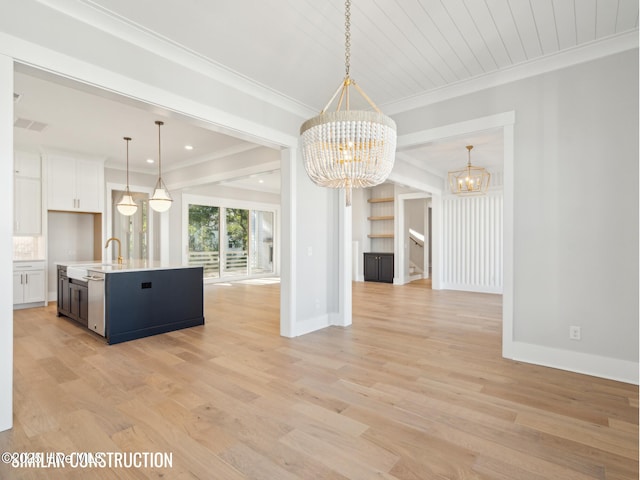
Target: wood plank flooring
(414, 389)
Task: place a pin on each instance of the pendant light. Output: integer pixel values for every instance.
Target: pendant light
(127, 206)
(161, 199)
(348, 148)
(470, 179)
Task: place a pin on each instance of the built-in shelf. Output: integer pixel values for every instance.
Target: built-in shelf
(380, 235)
(382, 217)
(380, 200)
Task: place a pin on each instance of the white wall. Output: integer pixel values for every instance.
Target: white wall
(6, 242)
(575, 214)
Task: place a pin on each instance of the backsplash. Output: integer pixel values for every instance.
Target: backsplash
(28, 248)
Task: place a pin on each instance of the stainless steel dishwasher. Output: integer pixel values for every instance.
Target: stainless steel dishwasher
(95, 283)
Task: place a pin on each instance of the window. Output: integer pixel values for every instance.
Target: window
(230, 242)
(261, 242)
(204, 238)
(236, 252)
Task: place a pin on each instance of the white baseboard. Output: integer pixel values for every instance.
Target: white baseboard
(311, 325)
(22, 306)
(470, 288)
(578, 362)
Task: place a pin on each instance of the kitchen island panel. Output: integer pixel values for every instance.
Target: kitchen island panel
(143, 303)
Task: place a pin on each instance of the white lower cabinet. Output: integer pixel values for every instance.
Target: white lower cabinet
(28, 282)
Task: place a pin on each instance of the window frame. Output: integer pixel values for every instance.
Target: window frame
(223, 204)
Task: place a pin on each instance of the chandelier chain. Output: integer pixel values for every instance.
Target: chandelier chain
(347, 36)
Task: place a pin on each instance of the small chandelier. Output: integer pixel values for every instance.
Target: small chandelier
(348, 148)
(161, 199)
(126, 206)
(469, 179)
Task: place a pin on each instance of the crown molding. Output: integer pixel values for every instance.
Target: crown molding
(89, 13)
(555, 61)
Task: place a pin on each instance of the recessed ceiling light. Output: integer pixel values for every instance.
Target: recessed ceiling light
(150, 160)
(261, 181)
(188, 147)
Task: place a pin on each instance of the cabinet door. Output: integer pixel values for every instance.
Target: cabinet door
(27, 207)
(26, 164)
(61, 183)
(370, 267)
(64, 298)
(34, 286)
(79, 303)
(89, 186)
(83, 314)
(18, 290)
(385, 268)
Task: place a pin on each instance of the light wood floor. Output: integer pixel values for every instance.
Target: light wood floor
(415, 389)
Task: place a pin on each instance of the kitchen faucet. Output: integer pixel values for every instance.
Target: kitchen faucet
(119, 248)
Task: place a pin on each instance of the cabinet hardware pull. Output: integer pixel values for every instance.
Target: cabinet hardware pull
(26, 278)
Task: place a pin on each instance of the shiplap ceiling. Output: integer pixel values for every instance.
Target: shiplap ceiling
(401, 50)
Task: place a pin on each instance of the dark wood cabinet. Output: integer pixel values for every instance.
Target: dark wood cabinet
(73, 298)
(79, 302)
(63, 291)
(378, 267)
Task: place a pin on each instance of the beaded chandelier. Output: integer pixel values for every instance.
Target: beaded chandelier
(469, 179)
(348, 148)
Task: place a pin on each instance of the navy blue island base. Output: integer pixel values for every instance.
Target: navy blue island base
(148, 302)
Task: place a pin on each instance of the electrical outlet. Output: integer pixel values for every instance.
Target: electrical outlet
(574, 333)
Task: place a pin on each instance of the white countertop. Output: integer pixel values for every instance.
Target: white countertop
(130, 266)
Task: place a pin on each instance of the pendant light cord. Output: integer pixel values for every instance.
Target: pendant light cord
(159, 123)
(127, 139)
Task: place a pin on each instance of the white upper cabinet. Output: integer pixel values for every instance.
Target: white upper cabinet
(27, 206)
(75, 184)
(27, 198)
(26, 165)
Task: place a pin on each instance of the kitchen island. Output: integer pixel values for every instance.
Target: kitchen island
(132, 300)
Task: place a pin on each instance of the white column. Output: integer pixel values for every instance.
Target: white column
(345, 264)
(6, 242)
(287, 242)
(436, 242)
(508, 268)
